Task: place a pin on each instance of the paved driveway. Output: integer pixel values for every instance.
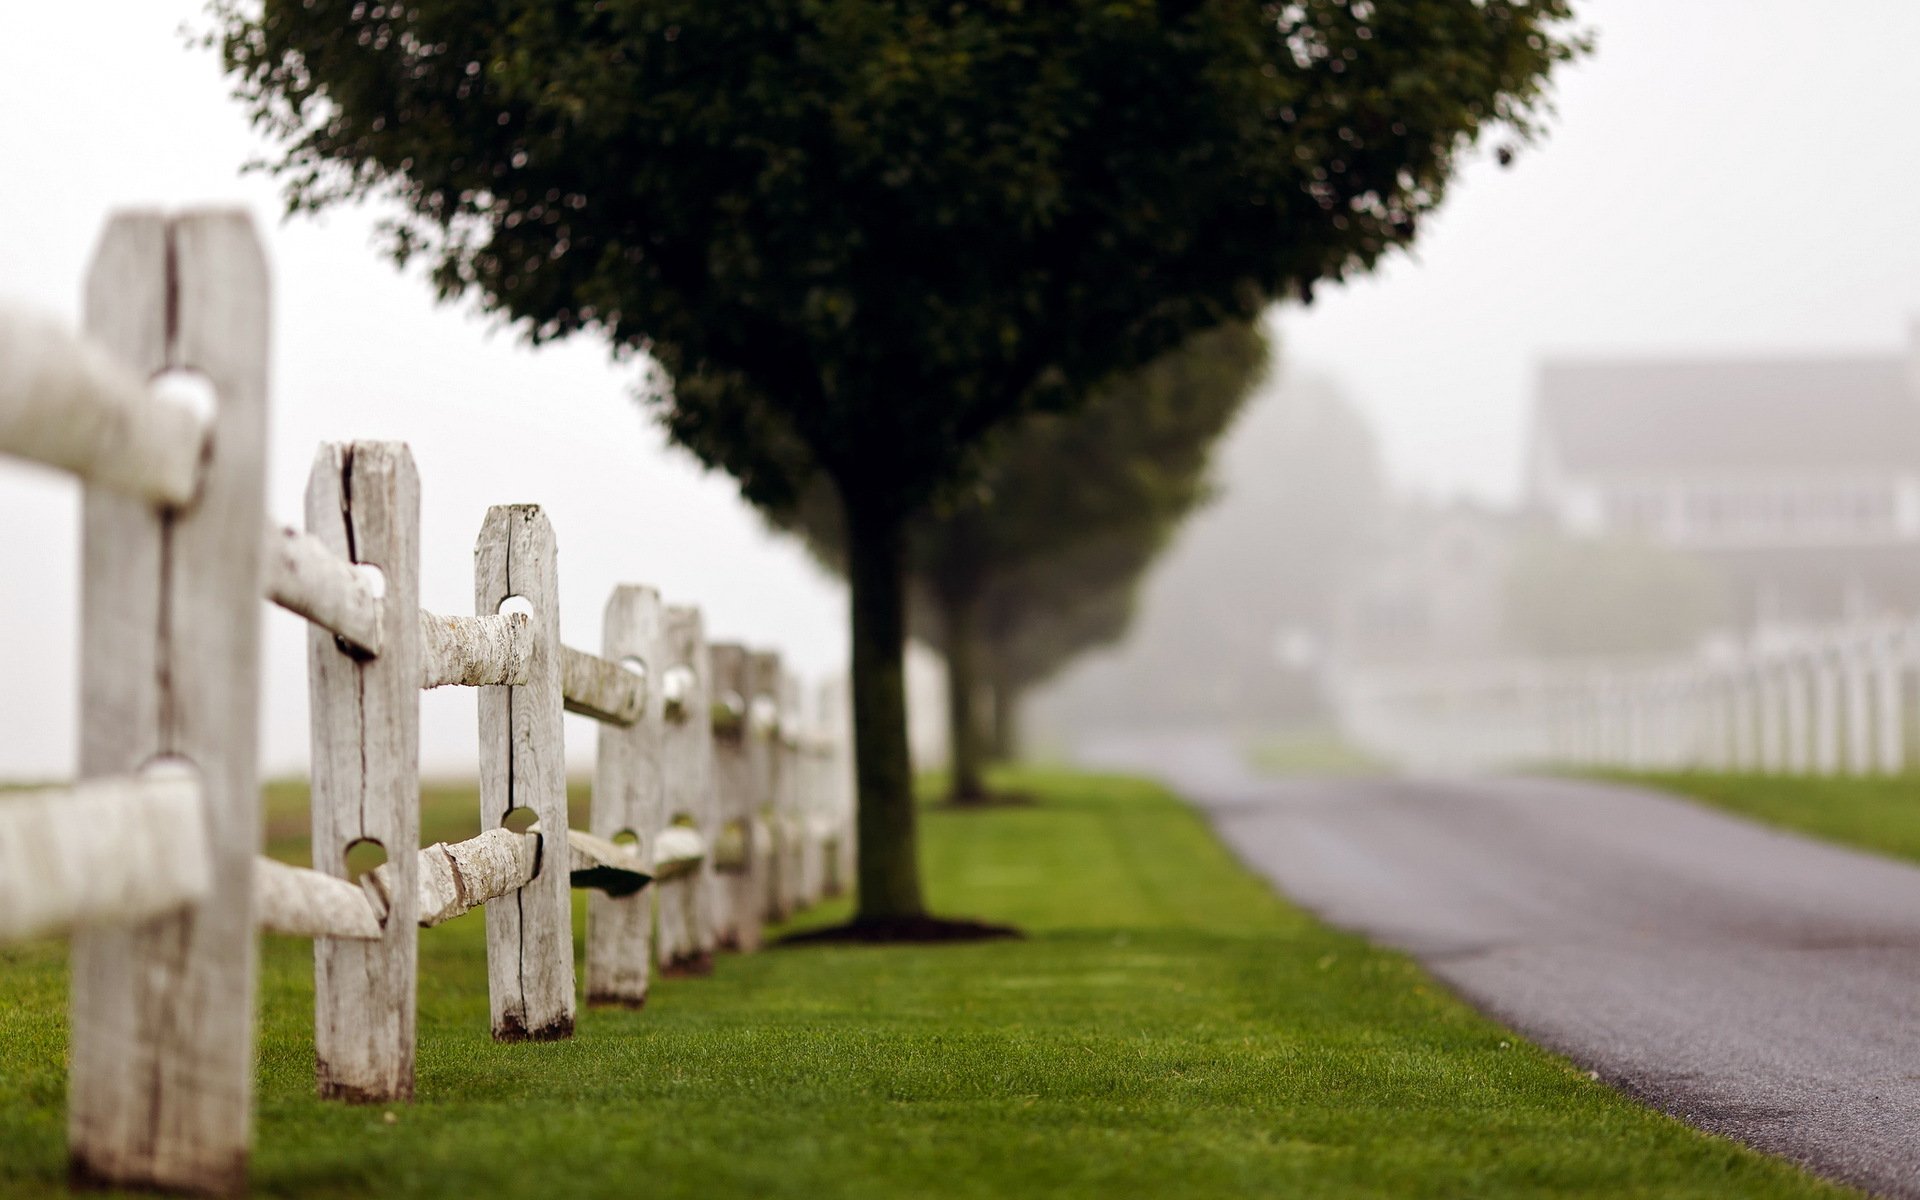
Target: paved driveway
(1757, 984)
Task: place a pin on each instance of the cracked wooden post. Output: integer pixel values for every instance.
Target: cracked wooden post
(736, 793)
(363, 503)
(685, 941)
(523, 766)
(161, 1082)
(627, 800)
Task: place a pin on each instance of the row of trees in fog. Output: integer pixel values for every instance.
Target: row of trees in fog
(860, 242)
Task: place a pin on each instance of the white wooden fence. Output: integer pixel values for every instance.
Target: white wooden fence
(717, 802)
(1836, 701)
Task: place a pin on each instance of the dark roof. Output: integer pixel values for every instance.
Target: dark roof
(1627, 417)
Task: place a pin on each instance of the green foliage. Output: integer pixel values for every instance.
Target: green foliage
(1169, 1029)
(1569, 595)
(1076, 508)
(857, 235)
(1067, 510)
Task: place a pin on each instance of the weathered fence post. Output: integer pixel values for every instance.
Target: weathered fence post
(1696, 691)
(1798, 688)
(766, 737)
(523, 766)
(813, 800)
(363, 502)
(686, 904)
(1857, 678)
(736, 789)
(836, 724)
(161, 1084)
(627, 801)
(1890, 701)
(1826, 710)
(1776, 721)
(789, 798)
(1744, 705)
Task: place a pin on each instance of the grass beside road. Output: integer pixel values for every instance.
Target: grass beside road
(1168, 1029)
(1314, 751)
(1882, 815)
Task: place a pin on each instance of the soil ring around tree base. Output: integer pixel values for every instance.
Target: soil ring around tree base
(903, 930)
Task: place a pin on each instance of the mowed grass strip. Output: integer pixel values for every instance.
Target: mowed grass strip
(1880, 814)
(1168, 1029)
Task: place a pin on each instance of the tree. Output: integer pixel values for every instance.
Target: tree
(1301, 509)
(856, 236)
(1037, 560)
(1026, 644)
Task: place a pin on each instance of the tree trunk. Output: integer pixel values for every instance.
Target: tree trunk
(965, 743)
(889, 870)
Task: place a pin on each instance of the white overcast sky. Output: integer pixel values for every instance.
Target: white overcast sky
(1726, 175)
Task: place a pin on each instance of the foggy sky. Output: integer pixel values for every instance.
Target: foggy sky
(1726, 175)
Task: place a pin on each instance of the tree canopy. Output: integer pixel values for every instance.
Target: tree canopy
(856, 235)
(1036, 560)
(1303, 502)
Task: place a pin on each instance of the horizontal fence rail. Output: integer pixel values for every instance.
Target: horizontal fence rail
(706, 818)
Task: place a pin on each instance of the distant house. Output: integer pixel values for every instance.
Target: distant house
(1797, 480)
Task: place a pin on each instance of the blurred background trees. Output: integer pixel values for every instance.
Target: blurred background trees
(1234, 618)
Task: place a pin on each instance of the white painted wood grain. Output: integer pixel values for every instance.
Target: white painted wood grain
(108, 851)
(1856, 682)
(684, 940)
(787, 890)
(523, 765)
(300, 902)
(162, 1028)
(601, 688)
(458, 877)
(494, 649)
(1890, 737)
(363, 511)
(307, 576)
(627, 799)
(678, 852)
(740, 892)
(79, 404)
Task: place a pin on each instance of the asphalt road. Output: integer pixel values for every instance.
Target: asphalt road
(1756, 984)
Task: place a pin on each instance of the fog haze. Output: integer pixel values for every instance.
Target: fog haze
(1725, 175)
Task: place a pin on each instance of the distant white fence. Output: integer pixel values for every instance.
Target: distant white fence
(1836, 701)
(718, 799)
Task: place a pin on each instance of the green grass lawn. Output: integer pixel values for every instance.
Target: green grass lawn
(1312, 751)
(1872, 814)
(1169, 1029)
